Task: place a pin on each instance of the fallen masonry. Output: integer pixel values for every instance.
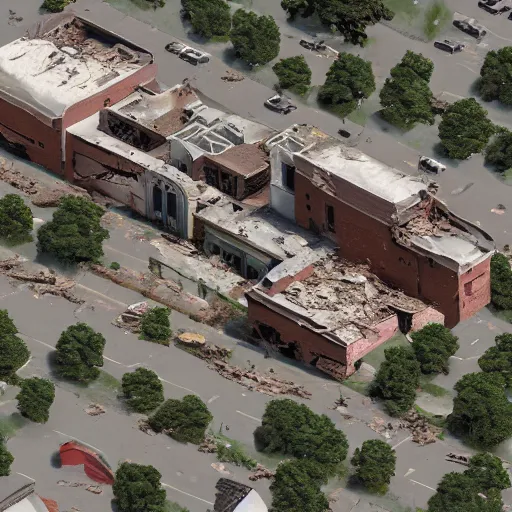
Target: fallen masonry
(95, 489)
(95, 410)
(422, 431)
(130, 318)
(261, 472)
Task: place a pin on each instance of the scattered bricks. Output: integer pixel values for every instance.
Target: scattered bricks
(209, 445)
(95, 410)
(261, 472)
(143, 425)
(458, 458)
(422, 431)
(130, 319)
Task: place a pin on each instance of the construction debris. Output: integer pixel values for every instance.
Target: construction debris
(499, 209)
(195, 340)
(209, 445)
(130, 319)
(218, 466)
(95, 410)
(254, 381)
(13, 19)
(143, 425)
(261, 472)
(422, 431)
(232, 76)
(382, 427)
(183, 246)
(95, 489)
(458, 458)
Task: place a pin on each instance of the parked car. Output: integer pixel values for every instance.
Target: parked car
(430, 165)
(280, 104)
(311, 45)
(344, 133)
(495, 6)
(449, 46)
(471, 27)
(188, 53)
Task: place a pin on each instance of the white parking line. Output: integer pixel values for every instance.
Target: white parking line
(76, 439)
(187, 494)
(38, 341)
(178, 386)
(114, 361)
(402, 441)
(213, 398)
(423, 485)
(476, 341)
(26, 476)
(249, 416)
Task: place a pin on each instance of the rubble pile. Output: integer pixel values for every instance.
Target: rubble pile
(95, 410)
(261, 472)
(422, 431)
(143, 425)
(130, 319)
(232, 76)
(43, 282)
(382, 427)
(209, 445)
(255, 381)
(95, 489)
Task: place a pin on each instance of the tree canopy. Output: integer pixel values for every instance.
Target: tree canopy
(208, 17)
(13, 350)
(6, 459)
(499, 151)
(349, 81)
(294, 429)
(79, 353)
(296, 487)
(501, 282)
(293, 74)
(375, 464)
(155, 325)
(487, 472)
(406, 96)
(143, 390)
(349, 17)
(16, 219)
(496, 76)
(433, 345)
(137, 488)
(481, 412)
(74, 234)
(499, 358)
(397, 380)
(185, 420)
(35, 399)
(465, 129)
(55, 5)
(256, 39)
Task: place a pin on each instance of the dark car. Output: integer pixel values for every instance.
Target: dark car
(344, 133)
(311, 45)
(495, 6)
(471, 27)
(449, 46)
(280, 104)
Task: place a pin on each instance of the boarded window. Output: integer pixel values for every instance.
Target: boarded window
(329, 214)
(288, 176)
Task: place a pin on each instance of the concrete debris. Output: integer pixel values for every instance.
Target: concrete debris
(382, 427)
(499, 209)
(43, 282)
(422, 431)
(208, 352)
(95, 410)
(218, 466)
(261, 472)
(95, 489)
(179, 244)
(13, 19)
(458, 458)
(255, 381)
(195, 340)
(129, 320)
(209, 445)
(232, 76)
(143, 425)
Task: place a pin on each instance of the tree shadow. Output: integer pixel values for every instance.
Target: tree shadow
(55, 460)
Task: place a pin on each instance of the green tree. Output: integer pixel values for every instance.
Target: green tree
(499, 358)
(15, 217)
(487, 472)
(74, 234)
(496, 76)
(433, 345)
(293, 74)
(13, 351)
(208, 18)
(143, 390)
(79, 353)
(155, 325)
(294, 429)
(499, 152)
(6, 459)
(55, 5)
(137, 488)
(7, 326)
(349, 17)
(296, 487)
(349, 81)
(481, 412)
(501, 282)
(256, 39)
(397, 380)
(457, 492)
(406, 96)
(35, 399)
(184, 420)
(375, 465)
(465, 129)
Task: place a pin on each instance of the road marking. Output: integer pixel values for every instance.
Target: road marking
(26, 476)
(11, 293)
(455, 357)
(38, 341)
(110, 248)
(113, 361)
(133, 365)
(402, 441)
(423, 485)
(178, 386)
(410, 472)
(76, 439)
(78, 285)
(187, 494)
(213, 398)
(249, 416)
(476, 341)
(26, 364)
(6, 402)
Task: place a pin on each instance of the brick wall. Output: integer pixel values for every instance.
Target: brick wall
(475, 289)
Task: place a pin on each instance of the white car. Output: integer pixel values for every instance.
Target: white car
(427, 164)
(188, 53)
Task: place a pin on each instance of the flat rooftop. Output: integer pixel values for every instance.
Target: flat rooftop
(245, 159)
(261, 228)
(341, 298)
(74, 60)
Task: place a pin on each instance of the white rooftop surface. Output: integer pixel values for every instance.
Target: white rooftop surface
(35, 69)
(363, 171)
(252, 503)
(32, 503)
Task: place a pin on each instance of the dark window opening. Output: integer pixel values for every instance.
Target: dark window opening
(106, 103)
(308, 207)
(157, 199)
(172, 208)
(468, 288)
(236, 207)
(289, 350)
(252, 273)
(41, 145)
(228, 183)
(431, 262)
(330, 218)
(307, 197)
(288, 176)
(183, 168)
(233, 261)
(214, 249)
(211, 176)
